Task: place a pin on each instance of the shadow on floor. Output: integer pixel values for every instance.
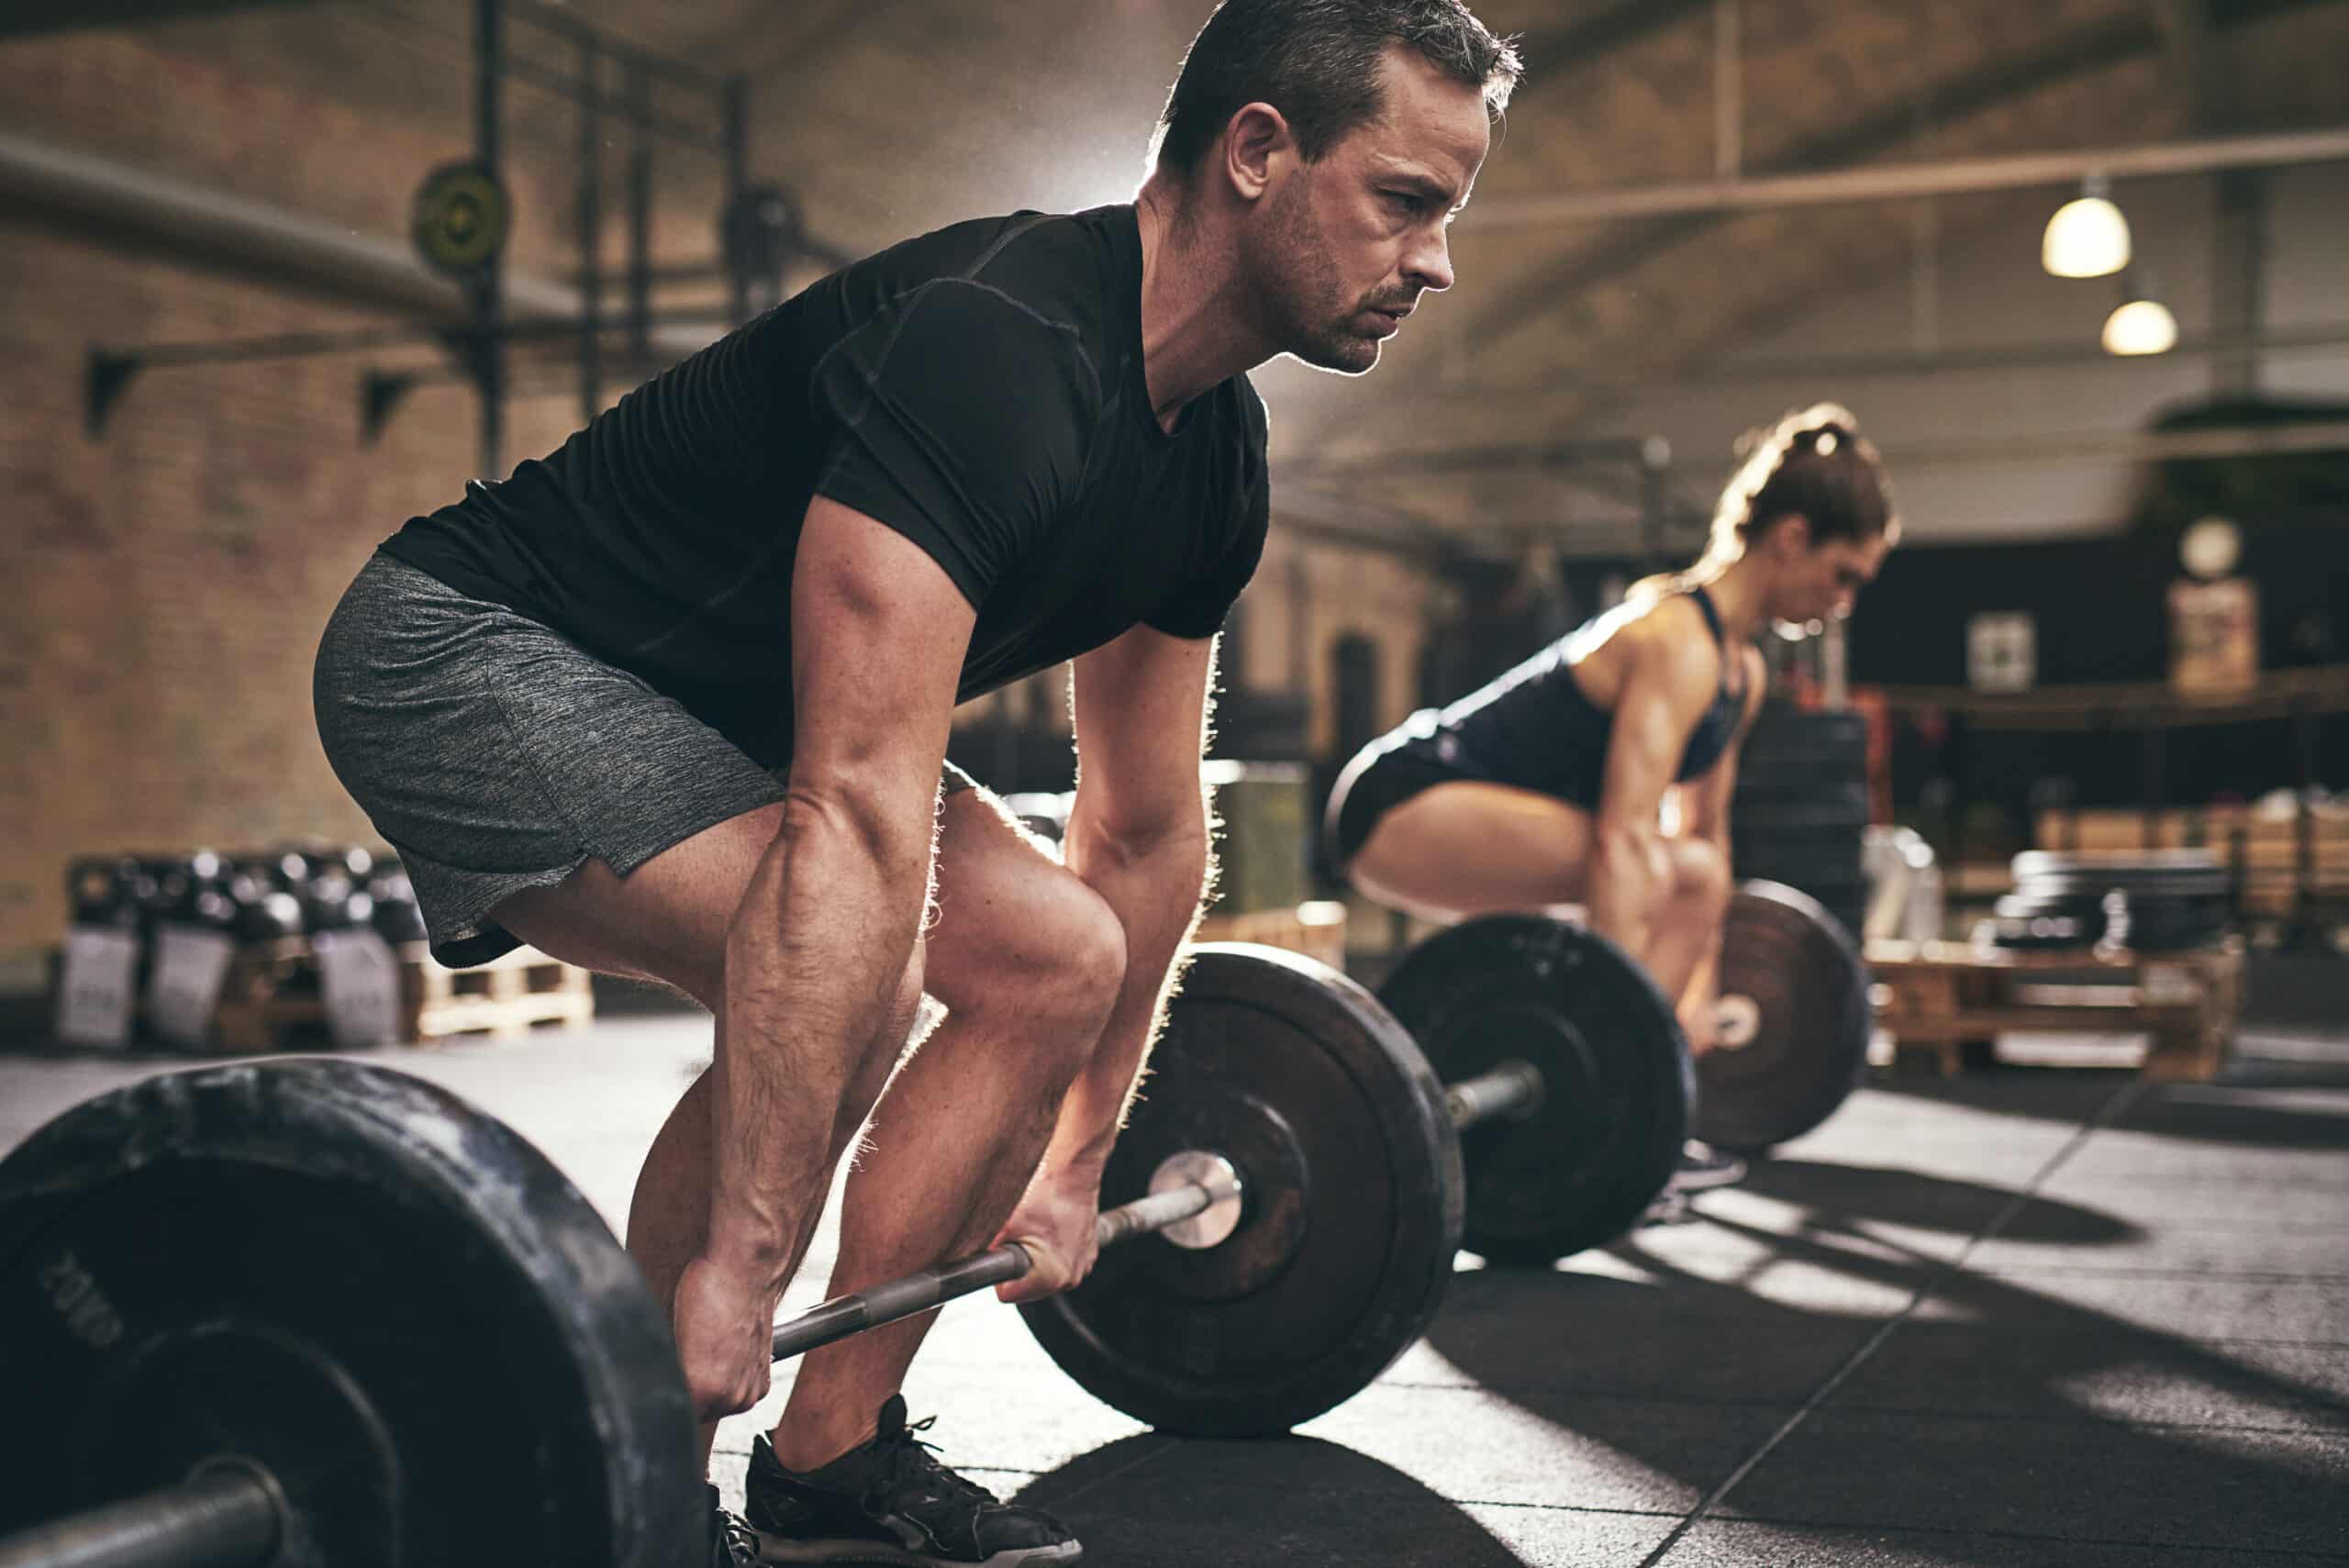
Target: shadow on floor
(1913, 1200)
(2244, 1107)
(1285, 1501)
(1997, 1407)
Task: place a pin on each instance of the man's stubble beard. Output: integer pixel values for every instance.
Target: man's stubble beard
(1306, 309)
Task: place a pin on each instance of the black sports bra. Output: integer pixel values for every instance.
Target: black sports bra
(1534, 727)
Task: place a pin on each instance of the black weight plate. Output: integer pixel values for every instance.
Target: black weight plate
(1300, 1078)
(1809, 867)
(2092, 886)
(2178, 873)
(1795, 778)
(1810, 1017)
(1581, 1170)
(1804, 814)
(391, 1300)
(1827, 800)
(1823, 876)
(1814, 730)
(2044, 931)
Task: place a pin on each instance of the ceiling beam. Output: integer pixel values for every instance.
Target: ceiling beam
(2099, 46)
(23, 19)
(2192, 64)
(1900, 180)
(1550, 52)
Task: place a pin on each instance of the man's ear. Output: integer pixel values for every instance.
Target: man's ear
(1256, 143)
(1792, 532)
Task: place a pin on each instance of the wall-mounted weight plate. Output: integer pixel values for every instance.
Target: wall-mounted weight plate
(1295, 1074)
(1796, 977)
(460, 218)
(1583, 1168)
(390, 1300)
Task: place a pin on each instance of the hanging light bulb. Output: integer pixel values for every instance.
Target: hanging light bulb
(2141, 327)
(2087, 238)
(2140, 324)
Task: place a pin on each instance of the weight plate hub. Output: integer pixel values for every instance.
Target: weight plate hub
(391, 1301)
(1802, 994)
(1351, 1215)
(460, 218)
(1582, 1169)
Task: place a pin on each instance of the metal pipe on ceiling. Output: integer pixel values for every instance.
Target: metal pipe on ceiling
(363, 271)
(1893, 181)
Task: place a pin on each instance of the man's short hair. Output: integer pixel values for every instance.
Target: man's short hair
(1317, 62)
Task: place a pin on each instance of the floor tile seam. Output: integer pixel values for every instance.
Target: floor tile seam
(1981, 1532)
(2190, 1225)
(2221, 1276)
(2104, 1335)
(2100, 1423)
(1936, 1274)
(1593, 1394)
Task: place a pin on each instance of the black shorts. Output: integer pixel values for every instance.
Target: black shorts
(1381, 777)
(497, 755)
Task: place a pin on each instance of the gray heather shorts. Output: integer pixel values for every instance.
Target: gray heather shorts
(495, 755)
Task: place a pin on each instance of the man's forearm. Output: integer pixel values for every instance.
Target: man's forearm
(813, 961)
(1154, 889)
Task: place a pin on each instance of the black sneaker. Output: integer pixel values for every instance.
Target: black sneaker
(1703, 1167)
(888, 1501)
(732, 1542)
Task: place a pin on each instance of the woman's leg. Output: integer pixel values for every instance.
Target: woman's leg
(1465, 846)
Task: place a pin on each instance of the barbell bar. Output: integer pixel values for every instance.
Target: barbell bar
(1512, 1087)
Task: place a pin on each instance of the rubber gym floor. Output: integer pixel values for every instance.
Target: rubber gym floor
(2032, 1316)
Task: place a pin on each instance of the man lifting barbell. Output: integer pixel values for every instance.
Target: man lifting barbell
(1545, 786)
(674, 701)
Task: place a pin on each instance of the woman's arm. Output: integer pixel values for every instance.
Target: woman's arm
(1669, 680)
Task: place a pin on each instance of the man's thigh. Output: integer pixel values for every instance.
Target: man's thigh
(668, 918)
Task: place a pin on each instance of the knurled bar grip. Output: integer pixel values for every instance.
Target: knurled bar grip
(893, 1299)
(222, 1517)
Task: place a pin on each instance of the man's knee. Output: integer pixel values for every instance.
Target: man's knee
(1699, 873)
(1059, 960)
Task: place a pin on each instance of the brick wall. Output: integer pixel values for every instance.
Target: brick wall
(162, 586)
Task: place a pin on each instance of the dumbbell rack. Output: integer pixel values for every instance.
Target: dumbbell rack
(1949, 1000)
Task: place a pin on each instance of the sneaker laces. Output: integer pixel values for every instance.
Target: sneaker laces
(908, 1451)
(736, 1541)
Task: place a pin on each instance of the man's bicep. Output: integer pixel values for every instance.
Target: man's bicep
(1140, 705)
(878, 636)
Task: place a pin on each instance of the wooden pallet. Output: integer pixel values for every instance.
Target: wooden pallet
(1317, 930)
(1950, 1001)
(272, 999)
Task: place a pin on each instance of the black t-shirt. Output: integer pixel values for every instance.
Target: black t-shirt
(979, 389)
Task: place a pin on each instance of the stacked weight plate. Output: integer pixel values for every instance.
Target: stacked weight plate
(2150, 901)
(1802, 808)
